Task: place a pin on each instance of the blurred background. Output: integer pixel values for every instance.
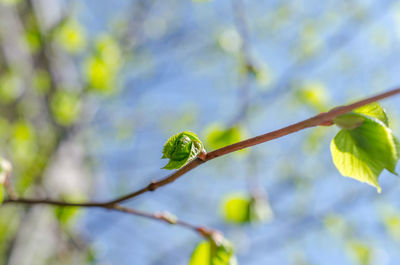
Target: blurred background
(91, 90)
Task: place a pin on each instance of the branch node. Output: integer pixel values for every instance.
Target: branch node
(167, 217)
(207, 232)
(202, 155)
(152, 186)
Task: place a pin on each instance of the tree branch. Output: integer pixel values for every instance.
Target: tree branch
(322, 119)
(162, 216)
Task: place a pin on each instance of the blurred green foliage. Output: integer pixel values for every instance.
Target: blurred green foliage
(103, 66)
(71, 36)
(66, 107)
(213, 252)
(390, 218)
(10, 87)
(66, 68)
(313, 94)
(41, 81)
(42, 102)
(361, 252)
(240, 209)
(218, 135)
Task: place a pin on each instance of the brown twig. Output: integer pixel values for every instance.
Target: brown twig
(162, 216)
(320, 119)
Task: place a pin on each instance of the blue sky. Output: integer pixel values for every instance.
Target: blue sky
(182, 80)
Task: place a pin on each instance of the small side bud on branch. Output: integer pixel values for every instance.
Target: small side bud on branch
(202, 155)
(167, 217)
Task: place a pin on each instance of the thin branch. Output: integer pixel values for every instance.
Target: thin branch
(53, 202)
(322, 119)
(163, 216)
(157, 184)
(166, 218)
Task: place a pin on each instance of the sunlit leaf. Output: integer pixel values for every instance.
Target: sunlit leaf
(213, 253)
(181, 148)
(349, 121)
(374, 110)
(363, 152)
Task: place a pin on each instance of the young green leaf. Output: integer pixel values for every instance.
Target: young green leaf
(349, 120)
(213, 252)
(181, 149)
(364, 149)
(374, 110)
